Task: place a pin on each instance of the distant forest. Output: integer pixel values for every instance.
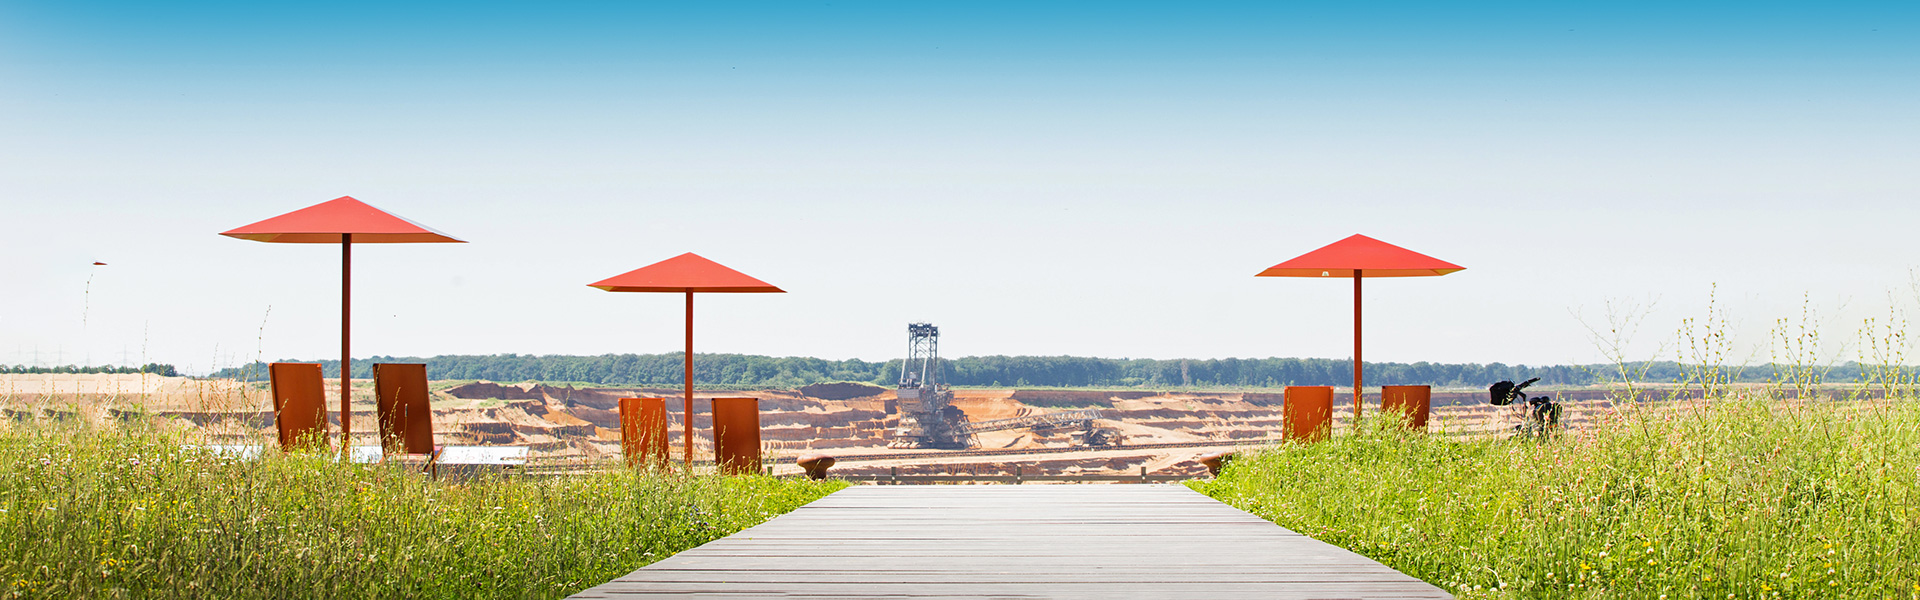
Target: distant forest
(996, 371)
(150, 368)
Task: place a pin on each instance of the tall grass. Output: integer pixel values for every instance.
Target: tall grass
(1749, 496)
(128, 512)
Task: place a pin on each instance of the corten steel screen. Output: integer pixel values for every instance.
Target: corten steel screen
(1414, 401)
(1308, 410)
(643, 431)
(736, 435)
(299, 403)
(405, 409)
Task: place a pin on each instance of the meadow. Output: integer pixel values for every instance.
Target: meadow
(1748, 495)
(132, 511)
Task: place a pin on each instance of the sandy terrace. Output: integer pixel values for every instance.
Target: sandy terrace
(574, 425)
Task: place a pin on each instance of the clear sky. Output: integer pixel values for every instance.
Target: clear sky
(1096, 179)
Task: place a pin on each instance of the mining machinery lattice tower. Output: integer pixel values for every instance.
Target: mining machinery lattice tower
(928, 418)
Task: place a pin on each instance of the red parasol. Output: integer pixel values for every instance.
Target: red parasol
(345, 221)
(1355, 257)
(687, 273)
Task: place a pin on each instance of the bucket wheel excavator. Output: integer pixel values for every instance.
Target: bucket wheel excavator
(928, 418)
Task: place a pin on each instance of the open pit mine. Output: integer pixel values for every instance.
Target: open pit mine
(1158, 430)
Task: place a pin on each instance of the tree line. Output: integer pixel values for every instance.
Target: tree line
(151, 368)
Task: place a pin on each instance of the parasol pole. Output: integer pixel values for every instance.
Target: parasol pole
(1356, 348)
(346, 357)
(686, 435)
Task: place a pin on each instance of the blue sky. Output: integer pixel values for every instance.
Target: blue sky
(1070, 178)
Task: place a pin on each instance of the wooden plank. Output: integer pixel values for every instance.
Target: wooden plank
(1137, 541)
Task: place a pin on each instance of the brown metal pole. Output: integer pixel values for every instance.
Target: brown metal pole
(346, 357)
(1356, 347)
(686, 418)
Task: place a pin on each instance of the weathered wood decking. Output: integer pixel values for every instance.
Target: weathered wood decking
(1029, 541)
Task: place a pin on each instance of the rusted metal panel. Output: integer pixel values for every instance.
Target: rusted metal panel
(299, 404)
(404, 408)
(1308, 412)
(736, 435)
(1414, 401)
(643, 431)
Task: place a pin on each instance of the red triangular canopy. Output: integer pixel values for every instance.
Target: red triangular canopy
(1372, 257)
(685, 273)
(324, 222)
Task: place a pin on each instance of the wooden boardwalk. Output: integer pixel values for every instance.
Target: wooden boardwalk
(1017, 541)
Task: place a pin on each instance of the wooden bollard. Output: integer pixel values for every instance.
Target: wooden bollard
(1214, 462)
(815, 465)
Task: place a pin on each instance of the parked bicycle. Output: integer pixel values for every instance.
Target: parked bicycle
(1542, 414)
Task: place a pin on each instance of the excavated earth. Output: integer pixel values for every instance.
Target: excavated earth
(578, 426)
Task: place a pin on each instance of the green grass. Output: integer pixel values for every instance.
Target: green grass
(127, 513)
(1741, 498)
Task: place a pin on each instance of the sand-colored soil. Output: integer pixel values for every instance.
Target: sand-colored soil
(572, 425)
